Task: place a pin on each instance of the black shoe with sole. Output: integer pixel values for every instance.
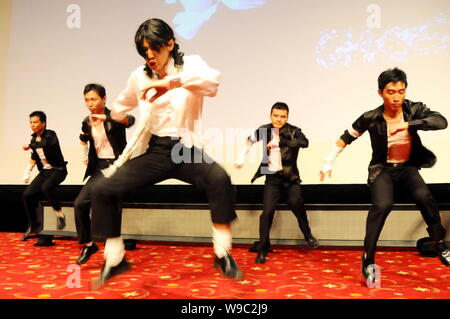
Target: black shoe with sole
(261, 257)
(443, 252)
(27, 236)
(427, 247)
(256, 248)
(44, 241)
(228, 267)
(109, 272)
(312, 242)
(60, 222)
(86, 253)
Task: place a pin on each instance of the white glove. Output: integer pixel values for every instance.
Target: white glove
(331, 157)
(85, 153)
(242, 155)
(27, 174)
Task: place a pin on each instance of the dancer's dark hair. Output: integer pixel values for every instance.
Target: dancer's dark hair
(158, 34)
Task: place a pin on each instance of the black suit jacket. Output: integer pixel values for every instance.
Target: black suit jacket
(115, 132)
(419, 117)
(52, 151)
(291, 139)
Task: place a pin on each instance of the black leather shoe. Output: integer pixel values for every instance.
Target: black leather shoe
(29, 235)
(443, 253)
(108, 272)
(261, 258)
(256, 248)
(44, 241)
(427, 247)
(130, 244)
(86, 253)
(60, 222)
(312, 242)
(228, 267)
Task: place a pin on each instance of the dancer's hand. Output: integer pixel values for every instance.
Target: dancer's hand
(395, 128)
(97, 119)
(323, 174)
(160, 87)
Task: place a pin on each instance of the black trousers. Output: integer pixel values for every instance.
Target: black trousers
(409, 180)
(274, 189)
(82, 205)
(157, 164)
(43, 186)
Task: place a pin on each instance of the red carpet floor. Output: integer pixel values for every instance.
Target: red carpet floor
(182, 271)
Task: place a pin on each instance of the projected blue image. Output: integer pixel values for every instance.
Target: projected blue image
(348, 47)
(197, 12)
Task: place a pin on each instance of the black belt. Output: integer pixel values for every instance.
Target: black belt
(107, 160)
(163, 140)
(63, 168)
(397, 164)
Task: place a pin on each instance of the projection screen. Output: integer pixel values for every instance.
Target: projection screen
(320, 57)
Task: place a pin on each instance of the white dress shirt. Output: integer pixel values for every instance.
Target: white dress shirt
(45, 163)
(177, 113)
(101, 142)
(275, 163)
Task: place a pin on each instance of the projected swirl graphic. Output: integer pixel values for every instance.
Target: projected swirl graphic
(197, 12)
(348, 47)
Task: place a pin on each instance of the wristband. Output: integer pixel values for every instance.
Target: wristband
(85, 153)
(331, 157)
(27, 172)
(243, 154)
(174, 81)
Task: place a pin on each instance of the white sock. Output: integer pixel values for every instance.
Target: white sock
(114, 251)
(221, 241)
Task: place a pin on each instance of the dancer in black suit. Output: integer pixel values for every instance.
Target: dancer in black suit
(397, 156)
(102, 141)
(281, 144)
(47, 156)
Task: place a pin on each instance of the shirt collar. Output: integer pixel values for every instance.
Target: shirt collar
(171, 68)
(35, 135)
(380, 109)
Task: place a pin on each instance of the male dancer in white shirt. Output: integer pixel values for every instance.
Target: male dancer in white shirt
(169, 90)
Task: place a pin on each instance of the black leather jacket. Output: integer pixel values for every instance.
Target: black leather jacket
(418, 116)
(115, 132)
(291, 139)
(52, 151)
